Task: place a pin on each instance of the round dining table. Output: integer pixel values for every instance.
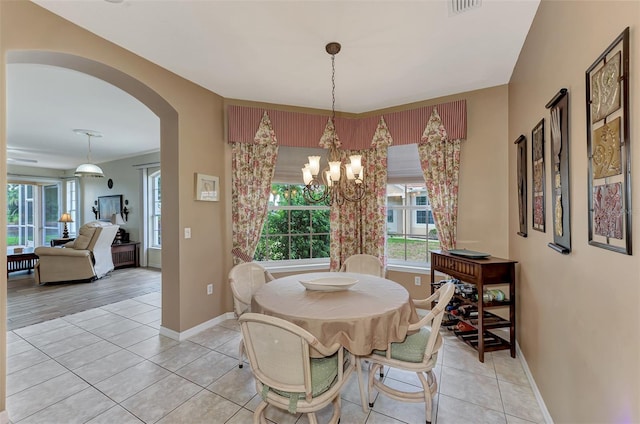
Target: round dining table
(366, 316)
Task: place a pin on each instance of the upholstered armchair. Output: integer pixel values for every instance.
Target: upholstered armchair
(86, 258)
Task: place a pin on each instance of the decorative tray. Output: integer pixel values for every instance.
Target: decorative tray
(469, 253)
(329, 283)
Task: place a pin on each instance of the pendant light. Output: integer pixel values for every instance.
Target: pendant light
(89, 169)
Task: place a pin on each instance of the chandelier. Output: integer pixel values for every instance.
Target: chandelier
(338, 182)
(88, 169)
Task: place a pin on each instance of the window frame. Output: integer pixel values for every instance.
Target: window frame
(155, 210)
(290, 234)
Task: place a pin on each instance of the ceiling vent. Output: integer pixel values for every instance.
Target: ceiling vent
(459, 6)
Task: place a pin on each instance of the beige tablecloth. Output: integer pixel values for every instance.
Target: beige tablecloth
(365, 317)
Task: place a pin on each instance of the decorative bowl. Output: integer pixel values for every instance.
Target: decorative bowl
(329, 283)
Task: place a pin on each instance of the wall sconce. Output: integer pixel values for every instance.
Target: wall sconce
(125, 212)
(95, 210)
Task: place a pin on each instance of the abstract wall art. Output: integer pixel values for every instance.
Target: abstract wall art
(608, 148)
(538, 183)
(559, 131)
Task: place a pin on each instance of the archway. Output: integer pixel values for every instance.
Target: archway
(159, 106)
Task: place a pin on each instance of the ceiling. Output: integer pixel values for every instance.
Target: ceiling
(393, 53)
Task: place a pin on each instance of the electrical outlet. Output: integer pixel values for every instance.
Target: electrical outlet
(187, 233)
(417, 280)
(209, 288)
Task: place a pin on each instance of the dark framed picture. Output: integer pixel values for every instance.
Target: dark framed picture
(559, 131)
(108, 205)
(538, 183)
(608, 148)
(521, 144)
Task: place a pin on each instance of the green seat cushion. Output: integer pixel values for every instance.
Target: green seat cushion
(411, 349)
(324, 372)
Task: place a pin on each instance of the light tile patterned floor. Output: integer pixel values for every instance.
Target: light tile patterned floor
(110, 365)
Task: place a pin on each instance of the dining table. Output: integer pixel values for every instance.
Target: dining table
(363, 316)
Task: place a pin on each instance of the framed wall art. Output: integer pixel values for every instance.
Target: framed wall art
(559, 131)
(108, 205)
(521, 164)
(538, 179)
(207, 187)
(608, 150)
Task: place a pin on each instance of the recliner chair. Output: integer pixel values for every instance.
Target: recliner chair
(86, 258)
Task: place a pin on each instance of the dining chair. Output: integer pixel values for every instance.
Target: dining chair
(363, 264)
(286, 374)
(418, 353)
(245, 279)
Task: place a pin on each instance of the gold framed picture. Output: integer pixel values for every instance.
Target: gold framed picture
(207, 188)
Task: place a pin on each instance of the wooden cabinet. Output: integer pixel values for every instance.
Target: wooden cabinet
(490, 271)
(126, 254)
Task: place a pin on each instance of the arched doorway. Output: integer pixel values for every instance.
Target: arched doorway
(160, 107)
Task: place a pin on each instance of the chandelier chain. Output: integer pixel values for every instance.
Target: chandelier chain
(333, 93)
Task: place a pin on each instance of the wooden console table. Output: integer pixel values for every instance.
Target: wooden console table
(482, 272)
(126, 254)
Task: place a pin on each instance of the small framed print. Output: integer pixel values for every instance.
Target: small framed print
(207, 188)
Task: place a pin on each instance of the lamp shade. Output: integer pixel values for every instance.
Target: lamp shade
(89, 170)
(66, 217)
(116, 219)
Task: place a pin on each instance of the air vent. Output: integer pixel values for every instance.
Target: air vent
(459, 6)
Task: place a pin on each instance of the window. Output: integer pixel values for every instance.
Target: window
(20, 215)
(72, 205)
(50, 213)
(421, 217)
(412, 234)
(155, 215)
(33, 211)
(293, 229)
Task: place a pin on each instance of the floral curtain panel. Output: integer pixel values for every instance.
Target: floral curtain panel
(253, 165)
(440, 161)
(361, 227)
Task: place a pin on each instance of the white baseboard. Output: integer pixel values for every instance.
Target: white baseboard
(534, 387)
(184, 335)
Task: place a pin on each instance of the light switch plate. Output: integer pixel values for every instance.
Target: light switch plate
(187, 233)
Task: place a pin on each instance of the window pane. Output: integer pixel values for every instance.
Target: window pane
(320, 221)
(277, 248)
(411, 233)
(300, 247)
(300, 222)
(320, 246)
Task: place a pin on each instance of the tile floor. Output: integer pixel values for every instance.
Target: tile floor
(110, 365)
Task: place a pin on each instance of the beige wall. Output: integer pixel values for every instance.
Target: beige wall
(578, 318)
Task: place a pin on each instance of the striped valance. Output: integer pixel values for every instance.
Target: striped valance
(297, 129)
